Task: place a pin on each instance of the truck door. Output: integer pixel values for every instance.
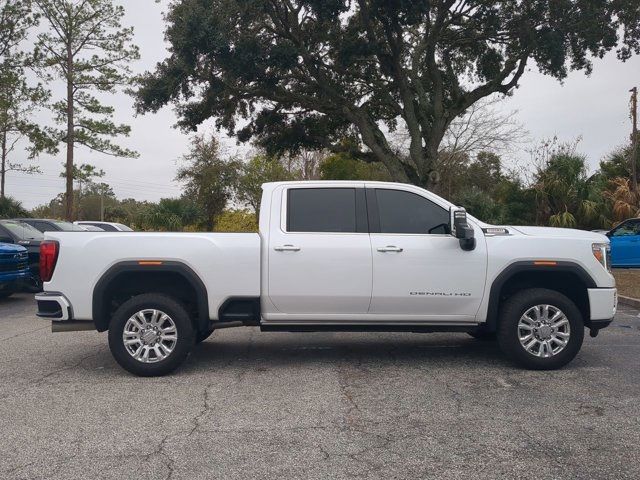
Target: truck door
(419, 269)
(319, 253)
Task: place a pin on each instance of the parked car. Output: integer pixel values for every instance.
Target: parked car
(625, 243)
(106, 226)
(51, 225)
(14, 268)
(20, 233)
(333, 256)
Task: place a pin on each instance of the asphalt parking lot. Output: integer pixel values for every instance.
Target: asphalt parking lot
(335, 405)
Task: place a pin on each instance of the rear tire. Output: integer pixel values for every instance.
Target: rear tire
(147, 343)
(540, 329)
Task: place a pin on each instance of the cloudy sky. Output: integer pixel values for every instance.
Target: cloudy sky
(595, 108)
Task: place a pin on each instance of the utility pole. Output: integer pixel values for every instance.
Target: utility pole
(634, 138)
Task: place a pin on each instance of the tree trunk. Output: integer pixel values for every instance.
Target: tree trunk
(70, 137)
(3, 170)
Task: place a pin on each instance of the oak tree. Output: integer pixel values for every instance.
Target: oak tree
(307, 73)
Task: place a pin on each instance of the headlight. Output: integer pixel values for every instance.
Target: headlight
(602, 252)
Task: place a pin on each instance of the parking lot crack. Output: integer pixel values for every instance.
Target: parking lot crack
(46, 327)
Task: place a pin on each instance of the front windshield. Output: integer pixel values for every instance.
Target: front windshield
(124, 228)
(22, 230)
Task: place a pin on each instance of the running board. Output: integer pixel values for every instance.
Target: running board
(369, 328)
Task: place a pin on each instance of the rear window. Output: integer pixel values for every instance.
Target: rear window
(321, 210)
(22, 230)
(67, 226)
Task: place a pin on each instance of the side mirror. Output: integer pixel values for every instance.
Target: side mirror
(462, 230)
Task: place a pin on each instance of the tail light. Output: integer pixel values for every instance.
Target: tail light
(48, 258)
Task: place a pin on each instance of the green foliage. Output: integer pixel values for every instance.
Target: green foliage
(260, 169)
(86, 47)
(305, 74)
(236, 221)
(209, 179)
(341, 166)
(565, 195)
(171, 214)
(11, 208)
(18, 99)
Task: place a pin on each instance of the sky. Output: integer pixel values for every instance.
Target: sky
(595, 108)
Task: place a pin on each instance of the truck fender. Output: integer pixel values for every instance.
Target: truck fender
(519, 267)
(100, 308)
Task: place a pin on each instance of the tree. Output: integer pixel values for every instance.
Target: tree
(87, 48)
(172, 214)
(18, 99)
(209, 179)
(260, 169)
(236, 221)
(305, 74)
(16, 18)
(341, 166)
(11, 208)
(564, 191)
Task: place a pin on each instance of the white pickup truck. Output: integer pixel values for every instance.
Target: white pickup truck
(333, 256)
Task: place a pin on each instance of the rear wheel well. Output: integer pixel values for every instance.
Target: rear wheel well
(122, 284)
(567, 282)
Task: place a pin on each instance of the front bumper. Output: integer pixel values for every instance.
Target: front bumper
(603, 304)
(55, 306)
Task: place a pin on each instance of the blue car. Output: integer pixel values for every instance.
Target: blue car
(625, 244)
(14, 269)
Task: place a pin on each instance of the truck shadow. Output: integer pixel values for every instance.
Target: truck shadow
(276, 350)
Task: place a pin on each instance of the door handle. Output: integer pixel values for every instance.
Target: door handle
(390, 248)
(286, 248)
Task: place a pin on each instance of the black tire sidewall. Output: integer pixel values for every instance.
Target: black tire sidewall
(514, 308)
(178, 314)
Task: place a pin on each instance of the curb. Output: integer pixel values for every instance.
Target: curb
(633, 302)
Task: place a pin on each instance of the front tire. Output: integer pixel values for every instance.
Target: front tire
(151, 335)
(540, 329)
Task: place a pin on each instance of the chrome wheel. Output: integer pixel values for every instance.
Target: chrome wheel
(150, 336)
(544, 330)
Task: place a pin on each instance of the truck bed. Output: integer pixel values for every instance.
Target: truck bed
(227, 263)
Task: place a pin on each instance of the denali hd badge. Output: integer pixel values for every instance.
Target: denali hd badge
(441, 294)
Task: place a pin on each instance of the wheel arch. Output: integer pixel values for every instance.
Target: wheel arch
(565, 277)
(149, 277)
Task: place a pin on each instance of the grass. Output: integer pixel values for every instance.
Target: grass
(628, 281)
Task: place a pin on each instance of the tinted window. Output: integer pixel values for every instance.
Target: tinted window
(406, 212)
(66, 226)
(44, 227)
(104, 226)
(321, 210)
(22, 230)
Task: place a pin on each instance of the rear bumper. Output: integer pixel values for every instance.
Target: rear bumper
(54, 306)
(603, 303)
